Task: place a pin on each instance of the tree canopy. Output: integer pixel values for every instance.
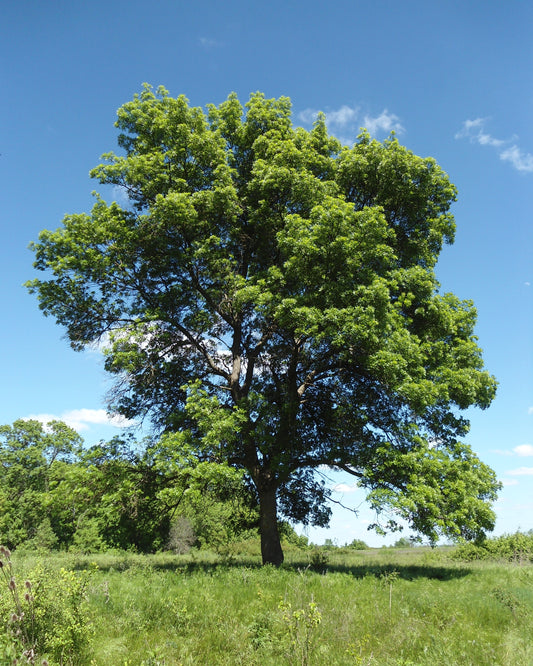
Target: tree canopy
(270, 294)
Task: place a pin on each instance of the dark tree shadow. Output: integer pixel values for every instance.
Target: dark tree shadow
(184, 566)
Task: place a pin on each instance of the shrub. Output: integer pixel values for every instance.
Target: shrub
(403, 542)
(358, 544)
(318, 559)
(87, 538)
(47, 616)
(516, 547)
(45, 538)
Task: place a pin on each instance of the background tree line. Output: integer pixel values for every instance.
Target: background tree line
(123, 494)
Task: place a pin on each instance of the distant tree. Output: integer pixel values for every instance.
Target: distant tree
(213, 497)
(87, 537)
(28, 454)
(125, 484)
(358, 544)
(270, 294)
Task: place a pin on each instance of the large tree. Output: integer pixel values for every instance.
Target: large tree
(270, 294)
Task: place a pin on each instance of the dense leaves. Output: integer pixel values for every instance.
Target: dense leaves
(122, 494)
(270, 295)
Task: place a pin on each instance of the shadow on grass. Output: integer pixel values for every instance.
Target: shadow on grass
(186, 566)
(403, 571)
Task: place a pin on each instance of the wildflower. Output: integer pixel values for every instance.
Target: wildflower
(12, 584)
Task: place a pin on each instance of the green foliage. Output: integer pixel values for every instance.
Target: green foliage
(28, 454)
(301, 625)
(318, 559)
(290, 536)
(517, 547)
(47, 616)
(87, 537)
(358, 544)
(403, 542)
(45, 538)
(121, 494)
(271, 296)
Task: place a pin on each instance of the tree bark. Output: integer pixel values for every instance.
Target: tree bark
(271, 551)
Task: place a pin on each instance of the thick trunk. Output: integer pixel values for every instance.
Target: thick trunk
(268, 526)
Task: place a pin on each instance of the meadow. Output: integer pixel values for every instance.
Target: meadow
(401, 607)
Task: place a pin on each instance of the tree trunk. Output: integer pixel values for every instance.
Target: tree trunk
(268, 527)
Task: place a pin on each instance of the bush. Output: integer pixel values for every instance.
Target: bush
(45, 538)
(46, 616)
(358, 544)
(87, 538)
(403, 542)
(318, 559)
(516, 547)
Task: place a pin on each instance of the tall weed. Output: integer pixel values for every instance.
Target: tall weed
(46, 617)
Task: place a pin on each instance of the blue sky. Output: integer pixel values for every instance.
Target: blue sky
(453, 79)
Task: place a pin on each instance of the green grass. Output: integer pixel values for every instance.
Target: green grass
(383, 607)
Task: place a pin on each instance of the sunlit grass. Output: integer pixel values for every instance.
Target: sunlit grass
(382, 607)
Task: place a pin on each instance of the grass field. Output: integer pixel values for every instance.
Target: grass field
(384, 607)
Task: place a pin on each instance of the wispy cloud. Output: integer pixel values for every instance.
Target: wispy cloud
(345, 488)
(385, 122)
(209, 43)
(82, 419)
(521, 471)
(509, 482)
(343, 116)
(508, 150)
(346, 122)
(523, 450)
(520, 161)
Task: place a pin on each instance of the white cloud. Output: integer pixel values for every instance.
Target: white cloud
(385, 122)
(348, 120)
(509, 482)
(308, 116)
(469, 126)
(530, 410)
(209, 43)
(523, 450)
(345, 488)
(520, 160)
(521, 471)
(82, 419)
(474, 130)
(343, 116)
(120, 195)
